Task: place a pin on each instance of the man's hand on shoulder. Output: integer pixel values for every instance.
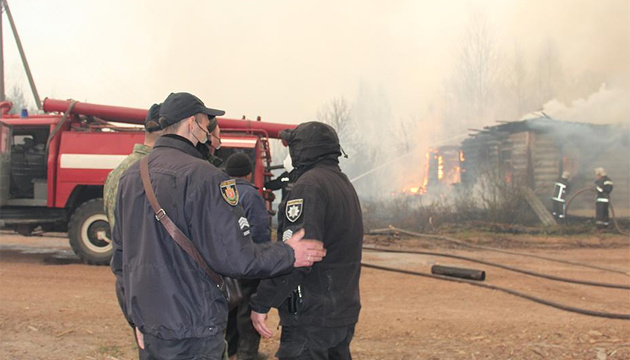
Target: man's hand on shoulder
(306, 251)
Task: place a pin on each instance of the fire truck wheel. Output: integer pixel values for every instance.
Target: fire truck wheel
(89, 233)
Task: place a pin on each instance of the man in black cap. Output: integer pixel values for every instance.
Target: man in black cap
(179, 312)
(319, 305)
(242, 338)
(239, 166)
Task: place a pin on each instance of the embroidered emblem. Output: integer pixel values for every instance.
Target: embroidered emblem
(244, 225)
(286, 235)
(228, 191)
(294, 209)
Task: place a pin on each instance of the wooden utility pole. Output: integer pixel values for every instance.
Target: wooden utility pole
(2, 92)
(27, 69)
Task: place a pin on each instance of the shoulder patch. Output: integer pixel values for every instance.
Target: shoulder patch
(293, 209)
(286, 235)
(229, 192)
(244, 225)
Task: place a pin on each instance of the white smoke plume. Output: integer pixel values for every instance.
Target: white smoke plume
(607, 106)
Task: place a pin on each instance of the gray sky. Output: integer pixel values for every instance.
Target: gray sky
(282, 59)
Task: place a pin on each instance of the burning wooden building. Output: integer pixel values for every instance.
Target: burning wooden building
(535, 152)
(442, 169)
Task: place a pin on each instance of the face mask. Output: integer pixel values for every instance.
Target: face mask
(205, 132)
(218, 139)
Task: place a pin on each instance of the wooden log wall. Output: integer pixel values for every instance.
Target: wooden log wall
(536, 159)
(546, 163)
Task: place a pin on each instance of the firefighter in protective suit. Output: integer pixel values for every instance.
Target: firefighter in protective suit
(560, 190)
(603, 186)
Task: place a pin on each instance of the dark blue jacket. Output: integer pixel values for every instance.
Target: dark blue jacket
(255, 211)
(161, 290)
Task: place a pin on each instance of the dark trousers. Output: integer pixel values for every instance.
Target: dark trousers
(601, 213)
(208, 348)
(315, 343)
(241, 336)
(558, 209)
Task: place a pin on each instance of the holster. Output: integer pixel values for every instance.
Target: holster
(295, 300)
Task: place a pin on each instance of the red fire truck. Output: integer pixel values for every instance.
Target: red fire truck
(53, 166)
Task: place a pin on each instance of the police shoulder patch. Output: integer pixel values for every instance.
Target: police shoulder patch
(293, 209)
(229, 192)
(286, 235)
(244, 225)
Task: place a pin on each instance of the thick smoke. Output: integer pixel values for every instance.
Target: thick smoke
(607, 106)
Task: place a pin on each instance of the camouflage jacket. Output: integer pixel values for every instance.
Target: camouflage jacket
(111, 184)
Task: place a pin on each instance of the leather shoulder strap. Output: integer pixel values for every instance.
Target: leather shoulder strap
(180, 238)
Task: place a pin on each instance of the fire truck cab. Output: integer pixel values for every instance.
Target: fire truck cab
(53, 166)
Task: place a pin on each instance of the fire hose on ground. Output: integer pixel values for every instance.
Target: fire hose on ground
(509, 291)
(488, 248)
(612, 209)
(505, 267)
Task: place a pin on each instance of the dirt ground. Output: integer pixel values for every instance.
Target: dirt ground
(53, 307)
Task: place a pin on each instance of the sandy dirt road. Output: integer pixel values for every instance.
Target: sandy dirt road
(53, 307)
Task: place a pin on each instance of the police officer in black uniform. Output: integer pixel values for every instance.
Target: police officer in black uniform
(603, 186)
(318, 306)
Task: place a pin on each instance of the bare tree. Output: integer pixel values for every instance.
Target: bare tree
(468, 93)
(477, 66)
(518, 85)
(518, 79)
(16, 96)
(338, 114)
(549, 74)
(405, 132)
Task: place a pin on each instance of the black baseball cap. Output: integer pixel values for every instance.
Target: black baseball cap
(151, 121)
(179, 106)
